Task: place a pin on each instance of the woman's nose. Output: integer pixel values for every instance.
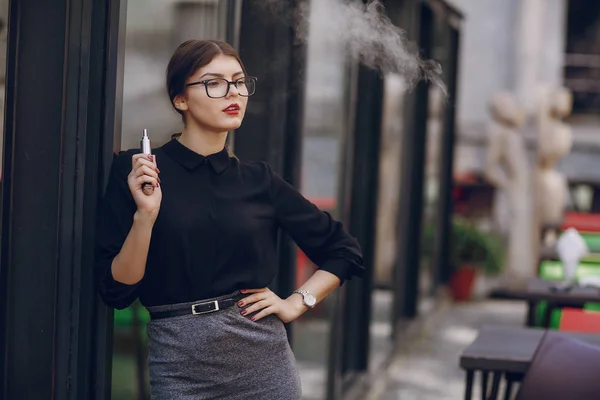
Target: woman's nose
(233, 90)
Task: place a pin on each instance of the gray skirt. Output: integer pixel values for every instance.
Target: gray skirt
(220, 355)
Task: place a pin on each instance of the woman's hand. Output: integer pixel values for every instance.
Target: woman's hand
(144, 170)
(267, 302)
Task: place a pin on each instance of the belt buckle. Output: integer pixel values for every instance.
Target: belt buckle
(215, 302)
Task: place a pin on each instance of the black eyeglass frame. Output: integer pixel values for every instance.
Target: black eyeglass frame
(229, 83)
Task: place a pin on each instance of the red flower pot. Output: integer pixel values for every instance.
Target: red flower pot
(461, 282)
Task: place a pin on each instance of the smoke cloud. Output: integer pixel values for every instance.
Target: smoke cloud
(367, 34)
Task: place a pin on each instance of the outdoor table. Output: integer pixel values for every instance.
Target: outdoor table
(505, 351)
(537, 291)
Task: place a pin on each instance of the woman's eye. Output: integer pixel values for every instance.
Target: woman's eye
(213, 83)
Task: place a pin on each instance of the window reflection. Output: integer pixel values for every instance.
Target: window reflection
(323, 134)
(389, 172)
(388, 201)
(154, 28)
(431, 188)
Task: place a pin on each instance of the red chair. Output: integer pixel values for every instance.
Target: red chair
(583, 222)
(578, 320)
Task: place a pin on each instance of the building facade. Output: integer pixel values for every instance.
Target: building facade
(84, 77)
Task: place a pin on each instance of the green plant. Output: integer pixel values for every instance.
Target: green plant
(471, 246)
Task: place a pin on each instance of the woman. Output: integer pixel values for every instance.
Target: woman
(201, 250)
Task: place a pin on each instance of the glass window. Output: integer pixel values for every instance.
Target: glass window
(323, 139)
(582, 60)
(390, 166)
(431, 188)
(3, 37)
(389, 172)
(3, 55)
(153, 30)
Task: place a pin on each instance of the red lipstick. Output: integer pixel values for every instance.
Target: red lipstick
(232, 109)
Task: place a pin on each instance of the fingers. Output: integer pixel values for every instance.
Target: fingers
(144, 157)
(136, 182)
(140, 161)
(255, 290)
(264, 313)
(262, 299)
(137, 156)
(252, 299)
(145, 170)
(146, 179)
(259, 305)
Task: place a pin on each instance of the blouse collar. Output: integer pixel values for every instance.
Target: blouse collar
(191, 160)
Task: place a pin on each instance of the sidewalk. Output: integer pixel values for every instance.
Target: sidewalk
(426, 368)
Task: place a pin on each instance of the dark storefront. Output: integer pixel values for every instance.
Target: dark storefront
(84, 77)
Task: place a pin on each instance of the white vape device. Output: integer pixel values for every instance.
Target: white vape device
(147, 188)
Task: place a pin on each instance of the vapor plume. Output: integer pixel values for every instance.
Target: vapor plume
(367, 34)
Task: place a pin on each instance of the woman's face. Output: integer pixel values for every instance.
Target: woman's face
(214, 114)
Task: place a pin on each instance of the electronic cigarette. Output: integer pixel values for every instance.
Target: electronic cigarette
(147, 188)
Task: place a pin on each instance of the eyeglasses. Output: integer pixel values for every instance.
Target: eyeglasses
(219, 87)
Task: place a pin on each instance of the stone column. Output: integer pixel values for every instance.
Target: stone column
(530, 14)
(539, 57)
(539, 49)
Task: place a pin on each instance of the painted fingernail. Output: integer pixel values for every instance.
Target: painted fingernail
(240, 303)
(253, 319)
(243, 312)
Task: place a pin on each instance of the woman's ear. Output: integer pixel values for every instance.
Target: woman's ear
(180, 103)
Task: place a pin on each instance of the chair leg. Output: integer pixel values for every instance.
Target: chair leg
(469, 384)
(531, 308)
(511, 379)
(484, 384)
(508, 389)
(495, 386)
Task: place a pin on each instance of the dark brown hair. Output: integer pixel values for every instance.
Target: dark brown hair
(188, 58)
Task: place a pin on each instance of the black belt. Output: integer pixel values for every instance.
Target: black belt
(198, 308)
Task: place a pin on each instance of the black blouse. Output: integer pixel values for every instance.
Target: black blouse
(216, 231)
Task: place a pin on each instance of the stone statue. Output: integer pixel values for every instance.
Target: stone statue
(507, 168)
(554, 142)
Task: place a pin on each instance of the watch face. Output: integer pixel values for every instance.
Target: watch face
(310, 299)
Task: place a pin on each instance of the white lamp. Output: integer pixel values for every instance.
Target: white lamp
(571, 248)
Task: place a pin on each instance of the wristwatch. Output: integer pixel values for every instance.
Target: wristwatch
(309, 299)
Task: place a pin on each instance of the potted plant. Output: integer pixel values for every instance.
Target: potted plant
(471, 251)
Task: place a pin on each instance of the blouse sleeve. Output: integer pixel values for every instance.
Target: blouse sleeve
(320, 237)
(114, 220)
